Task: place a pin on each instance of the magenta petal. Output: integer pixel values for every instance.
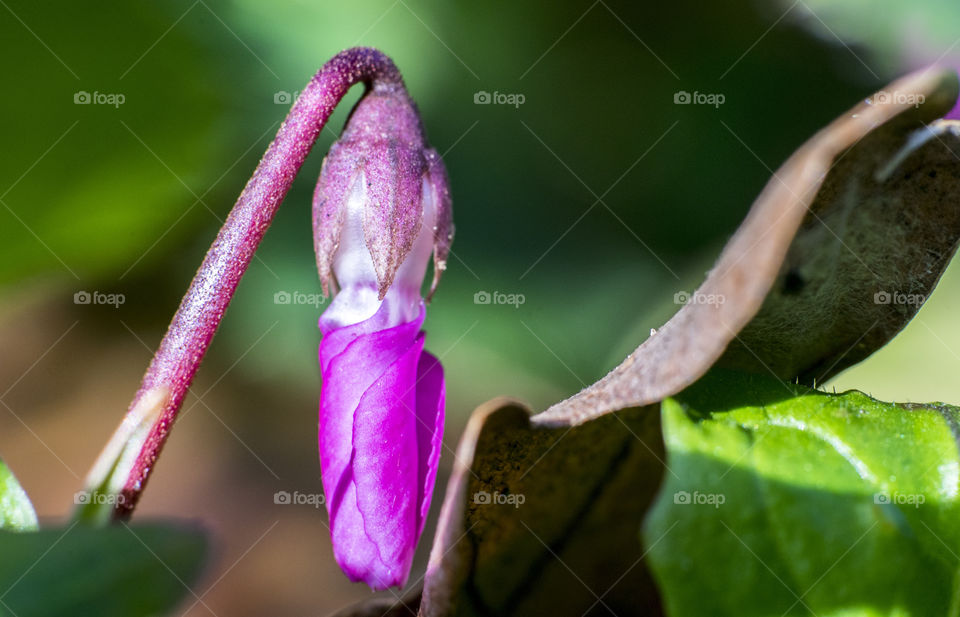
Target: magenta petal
(381, 422)
(351, 360)
(385, 466)
(430, 404)
(954, 113)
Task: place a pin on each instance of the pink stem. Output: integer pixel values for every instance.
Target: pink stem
(192, 328)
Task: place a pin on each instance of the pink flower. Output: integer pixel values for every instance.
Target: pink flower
(954, 113)
(381, 208)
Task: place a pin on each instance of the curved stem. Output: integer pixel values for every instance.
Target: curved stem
(193, 326)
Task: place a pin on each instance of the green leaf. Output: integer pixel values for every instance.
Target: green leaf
(16, 511)
(78, 570)
(781, 500)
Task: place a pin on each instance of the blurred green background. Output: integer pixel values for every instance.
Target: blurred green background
(597, 199)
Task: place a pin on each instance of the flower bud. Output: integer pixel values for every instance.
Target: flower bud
(381, 207)
(382, 165)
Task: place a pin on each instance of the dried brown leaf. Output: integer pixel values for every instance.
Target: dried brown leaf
(893, 223)
(565, 532)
